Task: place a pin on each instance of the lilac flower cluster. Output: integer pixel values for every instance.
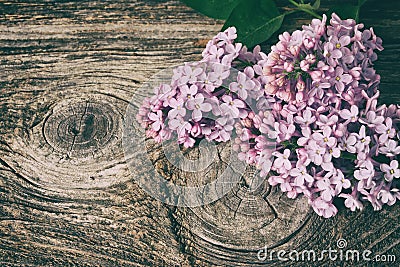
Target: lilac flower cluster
(310, 105)
(333, 140)
(348, 153)
(321, 65)
(198, 102)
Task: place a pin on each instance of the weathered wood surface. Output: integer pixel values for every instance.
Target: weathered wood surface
(67, 73)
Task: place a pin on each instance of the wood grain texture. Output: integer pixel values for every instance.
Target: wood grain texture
(67, 73)
(68, 70)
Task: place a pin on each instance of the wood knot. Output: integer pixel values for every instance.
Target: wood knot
(82, 128)
(76, 144)
(252, 215)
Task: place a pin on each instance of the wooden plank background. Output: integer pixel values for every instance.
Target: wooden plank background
(67, 71)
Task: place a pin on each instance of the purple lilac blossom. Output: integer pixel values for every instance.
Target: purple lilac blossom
(333, 140)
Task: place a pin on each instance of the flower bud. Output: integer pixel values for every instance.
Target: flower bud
(248, 123)
(246, 135)
(340, 130)
(294, 50)
(316, 75)
(196, 130)
(251, 115)
(300, 85)
(267, 70)
(310, 58)
(236, 148)
(300, 97)
(280, 81)
(245, 147)
(277, 107)
(270, 89)
(289, 67)
(309, 42)
(151, 133)
(165, 134)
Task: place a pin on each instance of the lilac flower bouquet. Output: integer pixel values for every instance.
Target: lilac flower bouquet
(316, 95)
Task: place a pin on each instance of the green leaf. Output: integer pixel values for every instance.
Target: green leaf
(316, 4)
(218, 9)
(255, 21)
(346, 11)
(347, 155)
(361, 2)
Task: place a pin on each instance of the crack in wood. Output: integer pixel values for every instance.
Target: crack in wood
(76, 131)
